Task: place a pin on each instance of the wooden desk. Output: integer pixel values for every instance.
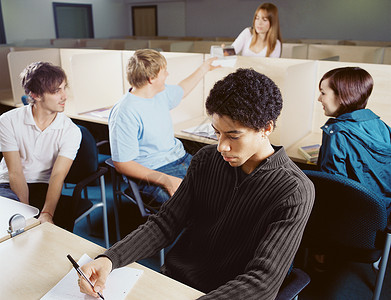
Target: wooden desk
(189, 124)
(8, 208)
(30, 223)
(310, 139)
(34, 261)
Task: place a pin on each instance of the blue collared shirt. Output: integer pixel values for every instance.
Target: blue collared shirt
(358, 145)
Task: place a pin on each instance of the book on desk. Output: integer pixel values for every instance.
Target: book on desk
(310, 152)
(204, 130)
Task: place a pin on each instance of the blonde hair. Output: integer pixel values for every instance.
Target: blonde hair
(274, 33)
(144, 65)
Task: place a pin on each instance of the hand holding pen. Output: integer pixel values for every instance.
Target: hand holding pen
(98, 269)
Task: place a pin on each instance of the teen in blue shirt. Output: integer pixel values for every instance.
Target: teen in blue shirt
(355, 142)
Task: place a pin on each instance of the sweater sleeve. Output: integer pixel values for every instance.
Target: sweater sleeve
(159, 231)
(267, 270)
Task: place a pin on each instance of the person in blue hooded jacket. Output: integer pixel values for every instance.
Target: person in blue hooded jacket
(355, 142)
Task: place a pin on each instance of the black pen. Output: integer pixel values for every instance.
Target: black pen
(77, 268)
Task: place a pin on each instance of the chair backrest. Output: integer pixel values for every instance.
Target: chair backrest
(347, 218)
(86, 161)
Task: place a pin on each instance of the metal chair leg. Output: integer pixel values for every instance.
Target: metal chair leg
(115, 183)
(382, 268)
(104, 207)
(161, 253)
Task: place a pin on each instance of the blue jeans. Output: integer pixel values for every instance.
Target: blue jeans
(5, 191)
(37, 193)
(37, 197)
(177, 168)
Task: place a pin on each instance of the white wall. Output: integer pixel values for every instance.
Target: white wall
(27, 19)
(311, 19)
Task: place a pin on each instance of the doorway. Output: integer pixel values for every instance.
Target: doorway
(144, 20)
(73, 20)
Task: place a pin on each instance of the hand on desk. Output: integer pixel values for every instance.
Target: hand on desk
(97, 271)
(44, 217)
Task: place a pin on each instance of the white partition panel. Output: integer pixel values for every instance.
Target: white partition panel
(387, 56)
(66, 43)
(5, 81)
(362, 54)
(379, 101)
(299, 51)
(295, 79)
(135, 44)
(204, 46)
(97, 80)
(179, 66)
(18, 60)
(97, 43)
(66, 63)
(298, 92)
(162, 45)
(182, 46)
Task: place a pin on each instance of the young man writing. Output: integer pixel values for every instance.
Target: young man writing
(141, 133)
(242, 206)
(38, 142)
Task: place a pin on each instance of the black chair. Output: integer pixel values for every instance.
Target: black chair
(84, 172)
(293, 284)
(124, 186)
(349, 222)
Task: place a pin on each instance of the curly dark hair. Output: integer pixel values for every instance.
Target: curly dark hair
(248, 97)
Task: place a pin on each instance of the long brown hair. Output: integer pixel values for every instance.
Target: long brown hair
(274, 33)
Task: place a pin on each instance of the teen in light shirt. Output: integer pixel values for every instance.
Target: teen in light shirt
(263, 38)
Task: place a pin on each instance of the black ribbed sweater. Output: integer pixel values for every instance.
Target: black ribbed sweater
(240, 236)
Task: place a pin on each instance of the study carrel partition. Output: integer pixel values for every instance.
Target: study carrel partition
(95, 79)
(5, 81)
(362, 54)
(295, 78)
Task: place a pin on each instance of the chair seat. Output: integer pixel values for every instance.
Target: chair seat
(293, 284)
(102, 158)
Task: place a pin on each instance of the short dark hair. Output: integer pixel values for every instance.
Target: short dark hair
(248, 97)
(42, 77)
(351, 85)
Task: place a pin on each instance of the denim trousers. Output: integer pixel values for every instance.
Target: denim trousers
(177, 168)
(37, 193)
(5, 191)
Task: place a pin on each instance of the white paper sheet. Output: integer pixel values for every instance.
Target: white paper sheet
(227, 63)
(118, 284)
